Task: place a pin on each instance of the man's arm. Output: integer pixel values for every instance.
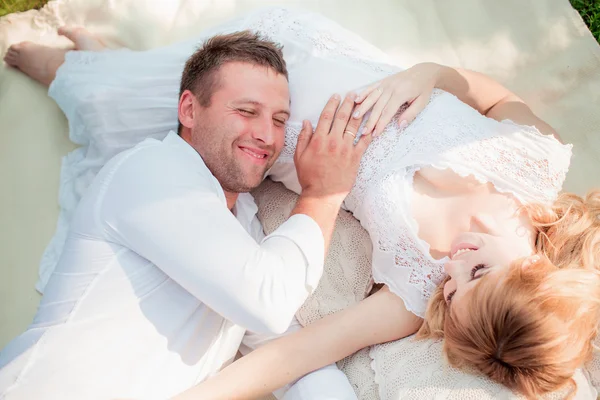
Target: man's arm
(173, 217)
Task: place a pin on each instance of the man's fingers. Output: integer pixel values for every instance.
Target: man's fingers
(342, 116)
(327, 115)
(352, 126)
(303, 138)
(362, 145)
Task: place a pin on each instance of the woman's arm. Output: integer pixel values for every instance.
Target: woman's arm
(489, 97)
(380, 318)
(414, 86)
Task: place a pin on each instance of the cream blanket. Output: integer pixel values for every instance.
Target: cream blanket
(540, 49)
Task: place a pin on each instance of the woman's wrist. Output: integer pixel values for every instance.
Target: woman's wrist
(437, 71)
(446, 78)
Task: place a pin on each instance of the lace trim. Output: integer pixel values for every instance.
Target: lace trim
(326, 37)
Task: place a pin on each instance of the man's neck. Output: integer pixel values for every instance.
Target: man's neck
(186, 134)
(231, 198)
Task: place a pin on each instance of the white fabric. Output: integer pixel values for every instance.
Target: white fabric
(413, 369)
(158, 282)
(271, 24)
(322, 59)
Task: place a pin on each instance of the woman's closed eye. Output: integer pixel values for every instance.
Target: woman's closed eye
(476, 268)
(474, 275)
(450, 296)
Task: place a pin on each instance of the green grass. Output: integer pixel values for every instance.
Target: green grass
(589, 10)
(11, 6)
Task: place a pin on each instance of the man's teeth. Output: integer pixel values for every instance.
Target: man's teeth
(254, 154)
(462, 251)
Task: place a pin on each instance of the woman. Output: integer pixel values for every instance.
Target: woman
(441, 190)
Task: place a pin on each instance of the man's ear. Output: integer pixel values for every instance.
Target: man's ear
(186, 110)
(529, 261)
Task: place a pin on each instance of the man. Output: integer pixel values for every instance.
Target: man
(166, 266)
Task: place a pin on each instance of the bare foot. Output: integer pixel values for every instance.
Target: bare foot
(82, 38)
(37, 61)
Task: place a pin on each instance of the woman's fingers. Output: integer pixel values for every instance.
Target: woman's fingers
(414, 109)
(365, 93)
(378, 109)
(396, 101)
(368, 103)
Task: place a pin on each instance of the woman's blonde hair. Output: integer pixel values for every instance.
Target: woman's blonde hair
(534, 327)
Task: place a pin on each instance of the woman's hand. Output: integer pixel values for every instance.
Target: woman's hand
(410, 89)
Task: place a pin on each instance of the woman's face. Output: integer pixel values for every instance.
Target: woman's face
(490, 249)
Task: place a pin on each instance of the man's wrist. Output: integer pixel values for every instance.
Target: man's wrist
(317, 199)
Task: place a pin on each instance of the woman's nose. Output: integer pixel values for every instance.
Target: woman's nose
(484, 223)
(450, 268)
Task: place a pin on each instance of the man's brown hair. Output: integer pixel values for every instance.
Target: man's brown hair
(200, 72)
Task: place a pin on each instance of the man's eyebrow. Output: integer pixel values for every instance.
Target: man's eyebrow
(259, 104)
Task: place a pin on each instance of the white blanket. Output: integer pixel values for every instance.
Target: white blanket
(541, 50)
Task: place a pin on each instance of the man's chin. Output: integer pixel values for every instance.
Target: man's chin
(245, 186)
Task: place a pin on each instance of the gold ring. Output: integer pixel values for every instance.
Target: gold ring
(350, 133)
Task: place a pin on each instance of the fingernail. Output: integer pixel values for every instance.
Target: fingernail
(403, 124)
(336, 96)
(356, 114)
(357, 99)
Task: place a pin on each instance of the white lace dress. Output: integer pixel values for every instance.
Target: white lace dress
(115, 99)
(323, 59)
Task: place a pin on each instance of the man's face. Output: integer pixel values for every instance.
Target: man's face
(242, 132)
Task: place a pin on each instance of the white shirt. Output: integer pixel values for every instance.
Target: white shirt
(158, 282)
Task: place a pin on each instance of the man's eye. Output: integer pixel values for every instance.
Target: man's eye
(279, 122)
(247, 112)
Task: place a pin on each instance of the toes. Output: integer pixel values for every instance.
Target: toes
(71, 32)
(82, 38)
(15, 48)
(10, 58)
(21, 46)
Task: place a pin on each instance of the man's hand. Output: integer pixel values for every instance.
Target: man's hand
(327, 163)
(327, 160)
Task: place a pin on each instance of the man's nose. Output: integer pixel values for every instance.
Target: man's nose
(264, 130)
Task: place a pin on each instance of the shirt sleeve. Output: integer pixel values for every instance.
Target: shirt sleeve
(174, 217)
